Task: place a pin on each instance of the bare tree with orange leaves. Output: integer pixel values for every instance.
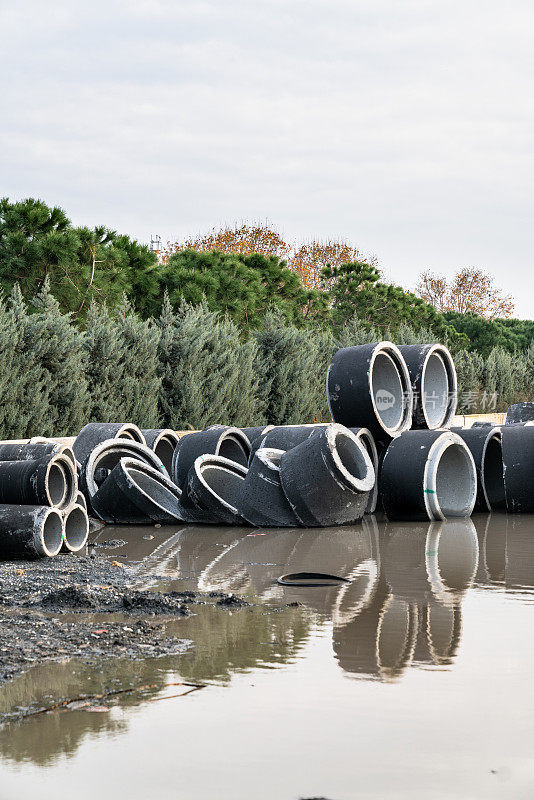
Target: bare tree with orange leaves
(310, 259)
(471, 290)
(244, 239)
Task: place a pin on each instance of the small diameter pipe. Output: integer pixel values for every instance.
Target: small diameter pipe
(29, 532)
(75, 529)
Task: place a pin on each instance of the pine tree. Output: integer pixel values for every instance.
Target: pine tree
(58, 347)
(31, 389)
(140, 380)
(104, 359)
(355, 332)
(469, 369)
(208, 373)
(291, 365)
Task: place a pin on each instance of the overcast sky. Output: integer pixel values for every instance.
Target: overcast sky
(402, 126)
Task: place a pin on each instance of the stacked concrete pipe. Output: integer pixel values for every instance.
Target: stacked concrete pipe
(428, 475)
(227, 442)
(485, 445)
(369, 386)
(434, 383)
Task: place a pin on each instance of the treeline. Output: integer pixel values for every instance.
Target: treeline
(191, 367)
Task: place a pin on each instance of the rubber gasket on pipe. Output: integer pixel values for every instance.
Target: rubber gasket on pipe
(30, 531)
(212, 489)
(227, 442)
(434, 383)
(369, 386)
(327, 478)
(485, 445)
(427, 475)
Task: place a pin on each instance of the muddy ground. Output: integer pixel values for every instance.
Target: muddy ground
(86, 607)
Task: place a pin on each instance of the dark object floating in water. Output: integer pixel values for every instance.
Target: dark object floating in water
(311, 579)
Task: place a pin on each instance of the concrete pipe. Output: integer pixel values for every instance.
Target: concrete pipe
(29, 532)
(427, 475)
(434, 383)
(228, 443)
(256, 431)
(367, 439)
(518, 460)
(520, 412)
(211, 490)
(327, 479)
(136, 493)
(96, 432)
(369, 385)
(80, 500)
(106, 456)
(163, 442)
(75, 529)
(47, 481)
(285, 437)
(261, 500)
(485, 445)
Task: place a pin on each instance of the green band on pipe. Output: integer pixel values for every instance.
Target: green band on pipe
(429, 491)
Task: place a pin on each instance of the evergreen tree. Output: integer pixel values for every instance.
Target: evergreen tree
(30, 389)
(292, 365)
(470, 370)
(104, 359)
(140, 380)
(355, 332)
(58, 348)
(207, 372)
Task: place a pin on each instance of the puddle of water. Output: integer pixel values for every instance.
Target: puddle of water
(411, 680)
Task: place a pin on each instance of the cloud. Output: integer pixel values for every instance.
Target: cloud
(404, 128)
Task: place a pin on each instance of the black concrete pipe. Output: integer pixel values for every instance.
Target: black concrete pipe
(261, 499)
(228, 442)
(96, 432)
(29, 532)
(284, 437)
(367, 439)
(163, 442)
(327, 478)
(518, 460)
(75, 529)
(135, 493)
(47, 481)
(427, 475)
(484, 442)
(434, 383)
(369, 386)
(106, 456)
(211, 491)
(520, 412)
(253, 432)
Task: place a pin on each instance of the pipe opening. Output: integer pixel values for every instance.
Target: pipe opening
(165, 451)
(52, 534)
(222, 482)
(156, 491)
(76, 529)
(234, 450)
(352, 456)
(455, 482)
(56, 484)
(493, 474)
(387, 391)
(435, 391)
